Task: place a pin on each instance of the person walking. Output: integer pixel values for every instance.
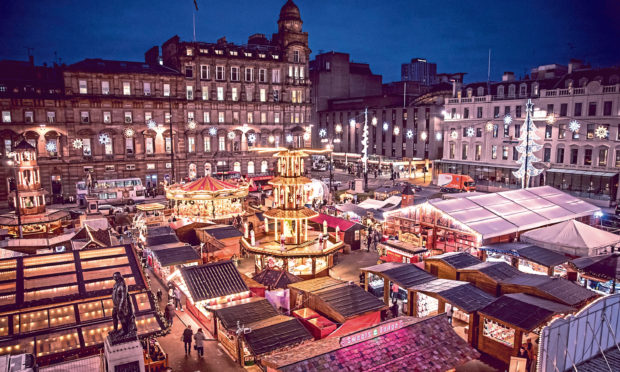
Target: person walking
(169, 313)
(159, 295)
(187, 339)
(450, 313)
(177, 299)
(199, 338)
(170, 293)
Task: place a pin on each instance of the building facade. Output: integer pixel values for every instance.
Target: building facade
(419, 70)
(196, 109)
(577, 114)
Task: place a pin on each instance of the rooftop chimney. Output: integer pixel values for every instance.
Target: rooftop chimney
(508, 76)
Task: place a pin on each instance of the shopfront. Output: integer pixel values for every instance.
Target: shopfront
(601, 186)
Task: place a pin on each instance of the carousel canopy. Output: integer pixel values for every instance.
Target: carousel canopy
(206, 185)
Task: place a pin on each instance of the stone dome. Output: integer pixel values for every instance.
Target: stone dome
(290, 11)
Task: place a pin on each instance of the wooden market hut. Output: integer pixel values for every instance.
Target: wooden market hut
(274, 278)
(527, 256)
(350, 232)
(403, 274)
(507, 322)
(166, 260)
(221, 242)
(447, 265)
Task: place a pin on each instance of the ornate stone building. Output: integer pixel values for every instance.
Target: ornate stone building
(196, 109)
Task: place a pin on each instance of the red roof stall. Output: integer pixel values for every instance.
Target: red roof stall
(349, 230)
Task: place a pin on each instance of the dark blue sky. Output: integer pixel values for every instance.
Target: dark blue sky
(455, 34)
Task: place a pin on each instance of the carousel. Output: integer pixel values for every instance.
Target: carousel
(286, 242)
(206, 200)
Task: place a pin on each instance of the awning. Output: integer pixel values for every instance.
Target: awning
(577, 171)
(334, 222)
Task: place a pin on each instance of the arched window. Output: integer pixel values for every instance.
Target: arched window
(469, 92)
(208, 169)
(568, 83)
(523, 90)
(582, 82)
(237, 166)
(264, 166)
(500, 91)
(511, 90)
(250, 167)
(480, 91)
(535, 89)
(192, 171)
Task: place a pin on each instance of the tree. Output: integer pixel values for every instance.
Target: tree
(527, 148)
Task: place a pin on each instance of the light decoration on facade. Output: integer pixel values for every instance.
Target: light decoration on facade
(212, 131)
(338, 128)
(489, 127)
(374, 121)
(51, 146)
(409, 133)
(352, 122)
(322, 132)
(231, 135)
(471, 132)
(306, 136)
(77, 143)
(129, 132)
(574, 126)
(550, 119)
(365, 145)
(289, 138)
(507, 119)
(437, 135)
(424, 136)
(385, 126)
(454, 134)
(602, 132)
(272, 139)
(104, 139)
(527, 148)
(252, 138)
(151, 124)
(191, 125)
(396, 131)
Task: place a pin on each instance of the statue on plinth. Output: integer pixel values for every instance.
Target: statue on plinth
(122, 312)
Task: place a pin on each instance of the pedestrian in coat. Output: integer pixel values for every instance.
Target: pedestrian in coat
(177, 299)
(159, 295)
(170, 293)
(169, 313)
(200, 337)
(187, 339)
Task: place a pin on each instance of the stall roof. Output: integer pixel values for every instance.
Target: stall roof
(350, 300)
(502, 213)
(562, 290)
(334, 222)
(523, 311)
(176, 256)
(276, 333)
(600, 362)
(316, 284)
(159, 230)
(463, 295)
(220, 232)
(534, 253)
(213, 280)
(161, 239)
(458, 260)
(497, 271)
(404, 274)
(418, 345)
(349, 207)
(256, 309)
(274, 278)
(100, 237)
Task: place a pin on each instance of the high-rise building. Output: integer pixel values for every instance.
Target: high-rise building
(419, 70)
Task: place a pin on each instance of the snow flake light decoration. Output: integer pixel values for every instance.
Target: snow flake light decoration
(231, 135)
(323, 132)
(252, 137)
(151, 124)
(489, 127)
(454, 134)
(191, 125)
(271, 139)
(306, 136)
(438, 136)
(338, 128)
(104, 139)
(424, 136)
(602, 132)
(374, 121)
(77, 143)
(51, 146)
(129, 132)
(574, 126)
(385, 126)
(212, 131)
(409, 133)
(396, 131)
(352, 122)
(471, 132)
(507, 119)
(289, 138)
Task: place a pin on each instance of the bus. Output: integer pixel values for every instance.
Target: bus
(113, 191)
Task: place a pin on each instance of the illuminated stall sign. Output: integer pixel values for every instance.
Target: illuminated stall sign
(370, 333)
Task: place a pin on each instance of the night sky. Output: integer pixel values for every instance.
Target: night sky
(455, 34)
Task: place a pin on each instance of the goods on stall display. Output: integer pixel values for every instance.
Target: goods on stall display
(426, 305)
(499, 333)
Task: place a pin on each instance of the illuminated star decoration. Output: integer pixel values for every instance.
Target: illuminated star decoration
(129, 132)
(191, 125)
(289, 138)
(77, 143)
(396, 131)
(252, 138)
(51, 146)
(489, 127)
(409, 133)
(104, 139)
(374, 121)
(306, 136)
(471, 132)
(212, 131)
(385, 126)
(602, 132)
(437, 136)
(507, 119)
(151, 124)
(322, 132)
(271, 139)
(231, 135)
(574, 126)
(454, 134)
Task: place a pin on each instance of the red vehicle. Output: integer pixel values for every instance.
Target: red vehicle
(449, 182)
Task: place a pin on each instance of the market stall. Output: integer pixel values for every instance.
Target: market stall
(405, 251)
(207, 199)
(154, 213)
(528, 258)
(510, 320)
(167, 261)
(349, 232)
(447, 265)
(600, 273)
(220, 242)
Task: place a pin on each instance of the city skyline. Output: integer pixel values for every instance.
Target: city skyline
(390, 36)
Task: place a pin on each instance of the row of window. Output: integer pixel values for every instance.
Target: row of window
(592, 110)
(296, 56)
(593, 131)
(205, 73)
(29, 117)
(208, 168)
(295, 117)
(573, 159)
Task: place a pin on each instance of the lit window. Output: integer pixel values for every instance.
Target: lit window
(167, 117)
(207, 143)
(105, 87)
(108, 147)
(128, 117)
(190, 116)
(189, 51)
(191, 144)
(149, 145)
(250, 167)
(129, 146)
(263, 117)
(86, 151)
(126, 88)
(85, 117)
(205, 93)
(28, 116)
(166, 90)
(147, 89)
(222, 143)
(168, 145)
(107, 117)
(148, 116)
(189, 90)
(235, 95)
(220, 93)
(51, 117)
(275, 75)
(206, 116)
(263, 95)
(276, 117)
(83, 87)
(220, 117)
(250, 117)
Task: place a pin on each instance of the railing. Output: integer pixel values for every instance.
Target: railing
(480, 99)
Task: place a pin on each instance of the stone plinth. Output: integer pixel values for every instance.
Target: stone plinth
(125, 356)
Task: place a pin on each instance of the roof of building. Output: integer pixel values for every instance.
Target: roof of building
(334, 222)
(523, 311)
(274, 278)
(495, 270)
(316, 284)
(159, 230)
(256, 309)
(213, 280)
(562, 290)
(290, 11)
(205, 184)
(463, 295)
(177, 255)
(220, 232)
(457, 260)
(530, 252)
(404, 274)
(276, 333)
(350, 300)
(105, 66)
(23, 145)
(161, 239)
(100, 237)
(599, 363)
(419, 345)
